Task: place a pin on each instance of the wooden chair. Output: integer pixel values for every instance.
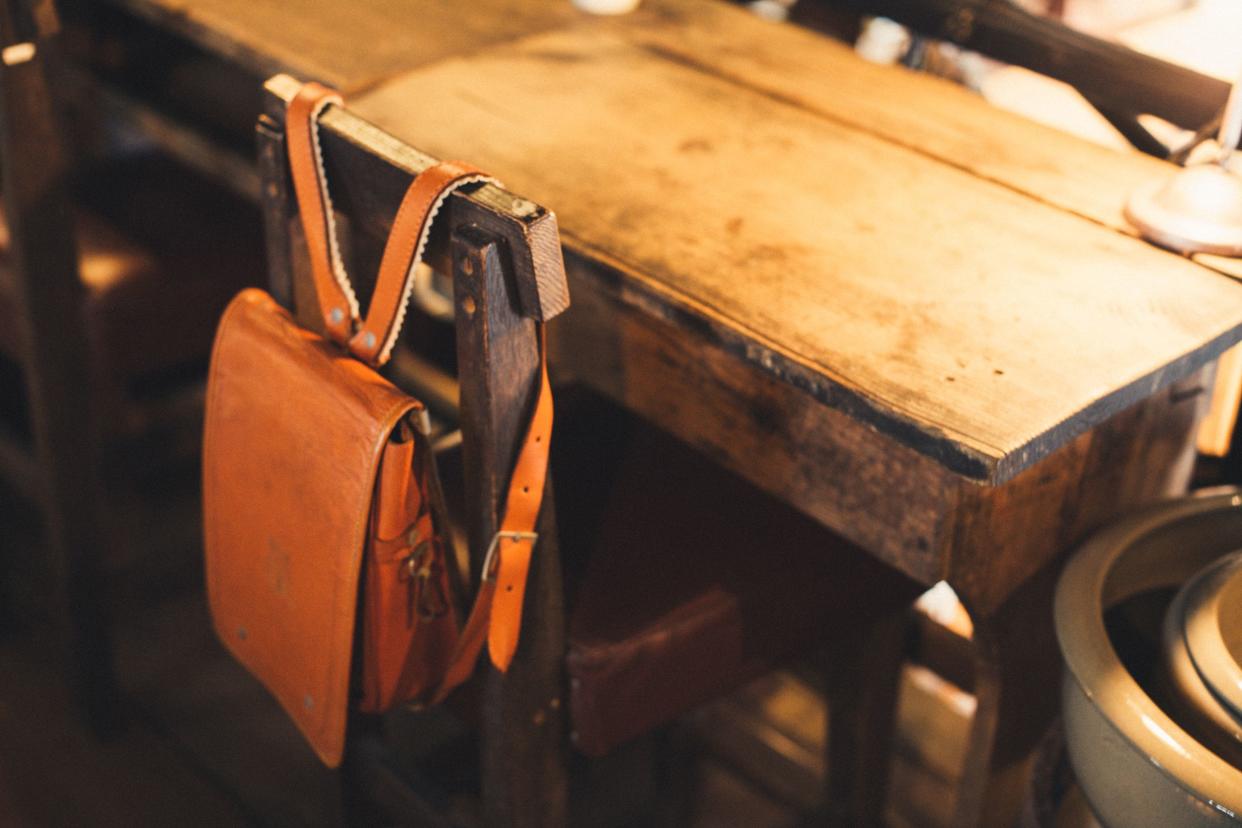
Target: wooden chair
(684, 581)
(86, 315)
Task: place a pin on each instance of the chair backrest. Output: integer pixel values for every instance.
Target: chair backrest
(34, 163)
(504, 256)
(502, 251)
(46, 297)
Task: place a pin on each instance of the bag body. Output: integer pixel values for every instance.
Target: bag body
(297, 436)
(408, 616)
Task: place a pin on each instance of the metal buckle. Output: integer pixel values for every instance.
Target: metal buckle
(490, 558)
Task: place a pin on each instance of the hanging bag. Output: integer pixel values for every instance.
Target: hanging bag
(328, 574)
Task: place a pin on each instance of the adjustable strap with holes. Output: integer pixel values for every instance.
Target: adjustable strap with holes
(497, 612)
(497, 608)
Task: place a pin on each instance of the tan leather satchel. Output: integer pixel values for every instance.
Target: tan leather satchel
(320, 499)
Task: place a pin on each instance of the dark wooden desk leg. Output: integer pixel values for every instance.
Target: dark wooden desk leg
(1010, 543)
(1017, 690)
(864, 677)
(862, 702)
(524, 767)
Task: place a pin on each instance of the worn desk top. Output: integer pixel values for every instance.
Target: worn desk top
(350, 45)
(953, 275)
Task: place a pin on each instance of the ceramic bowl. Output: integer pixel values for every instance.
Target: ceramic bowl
(1213, 629)
(1137, 766)
(1194, 617)
(1186, 694)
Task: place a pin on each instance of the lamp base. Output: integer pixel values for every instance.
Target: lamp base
(1197, 210)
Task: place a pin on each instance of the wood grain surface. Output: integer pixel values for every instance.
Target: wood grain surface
(982, 312)
(943, 120)
(348, 45)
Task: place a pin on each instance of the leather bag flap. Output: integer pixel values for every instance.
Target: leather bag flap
(295, 429)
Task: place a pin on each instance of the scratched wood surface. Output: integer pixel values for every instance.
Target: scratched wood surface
(349, 45)
(943, 120)
(983, 320)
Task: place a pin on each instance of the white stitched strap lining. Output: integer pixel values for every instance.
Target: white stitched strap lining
(334, 248)
(391, 339)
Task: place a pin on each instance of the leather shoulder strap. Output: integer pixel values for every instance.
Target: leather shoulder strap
(374, 341)
(371, 340)
(337, 301)
(516, 539)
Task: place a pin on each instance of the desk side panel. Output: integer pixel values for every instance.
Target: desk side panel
(857, 481)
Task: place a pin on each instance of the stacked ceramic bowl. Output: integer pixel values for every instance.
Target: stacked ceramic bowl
(1149, 619)
(1203, 646)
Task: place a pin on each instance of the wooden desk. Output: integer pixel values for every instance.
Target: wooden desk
(918, 319)
(348, 45)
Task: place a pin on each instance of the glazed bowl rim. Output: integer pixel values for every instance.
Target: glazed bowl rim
(1094, 665)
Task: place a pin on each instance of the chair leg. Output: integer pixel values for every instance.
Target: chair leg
(63, 417)
(75, 542)
(677, 777)
(525, 750)
(55, 357)
(525, 774)
(358, 807)
(863, 680)
(376, 789)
